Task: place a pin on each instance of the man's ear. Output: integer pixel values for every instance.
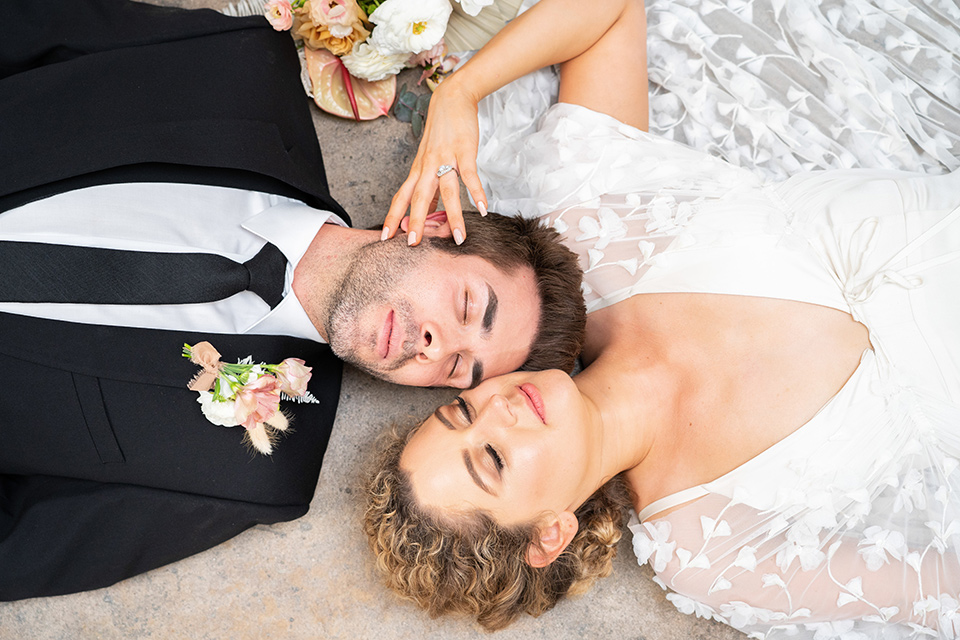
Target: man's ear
(557, 533)
(436, 225)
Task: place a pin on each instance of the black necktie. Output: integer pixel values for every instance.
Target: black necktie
(40, 272)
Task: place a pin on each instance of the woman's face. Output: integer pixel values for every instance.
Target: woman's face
(517, 446)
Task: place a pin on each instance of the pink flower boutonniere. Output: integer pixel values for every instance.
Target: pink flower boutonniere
(248, 394)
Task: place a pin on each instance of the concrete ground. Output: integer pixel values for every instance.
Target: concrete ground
(313, 577)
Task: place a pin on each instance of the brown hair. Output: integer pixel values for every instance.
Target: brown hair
(510, 243)
(467, 563)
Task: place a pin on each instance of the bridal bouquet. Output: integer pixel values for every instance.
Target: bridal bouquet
(248, 394)
(353, 49)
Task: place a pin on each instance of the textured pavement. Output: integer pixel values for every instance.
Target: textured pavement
(314, 577)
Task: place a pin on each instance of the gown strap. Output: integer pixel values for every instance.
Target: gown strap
(672, 500)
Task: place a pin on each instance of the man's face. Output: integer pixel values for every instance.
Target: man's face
(422, 317)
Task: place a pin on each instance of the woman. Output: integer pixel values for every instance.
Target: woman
(773, 373)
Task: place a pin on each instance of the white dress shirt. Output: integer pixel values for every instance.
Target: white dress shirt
(174, 218)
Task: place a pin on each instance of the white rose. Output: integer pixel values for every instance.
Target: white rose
(367, 63)
(473, 7)
(219, 413)
(409, 26)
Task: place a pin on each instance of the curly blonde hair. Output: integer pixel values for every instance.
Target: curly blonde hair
(470, 564)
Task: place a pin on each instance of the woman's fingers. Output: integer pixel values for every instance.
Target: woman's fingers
(450, 192)
(468, 173)
(398, 206)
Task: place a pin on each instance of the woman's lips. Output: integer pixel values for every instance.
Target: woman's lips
(386, 335)
(535, 399)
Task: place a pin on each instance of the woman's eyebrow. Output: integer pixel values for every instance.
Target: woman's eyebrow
(439, 416)
(473, 473)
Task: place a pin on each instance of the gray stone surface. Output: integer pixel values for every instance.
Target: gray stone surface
(314, 578)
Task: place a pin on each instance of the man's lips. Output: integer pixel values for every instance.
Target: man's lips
(535, 400)
(386, 336)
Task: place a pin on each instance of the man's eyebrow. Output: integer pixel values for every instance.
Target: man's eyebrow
(473, 472)
(490, 315)
(446, 423)
(477, 376)
(486, 326)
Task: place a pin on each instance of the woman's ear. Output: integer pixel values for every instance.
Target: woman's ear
(557, 533)
(435, 225)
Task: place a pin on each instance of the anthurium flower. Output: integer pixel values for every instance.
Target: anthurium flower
(409, 27)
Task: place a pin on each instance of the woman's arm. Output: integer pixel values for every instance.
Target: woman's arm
(602, 48)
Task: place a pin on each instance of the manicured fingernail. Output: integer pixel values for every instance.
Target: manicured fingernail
(482, 207)
(458, 236)
(412, 238)
(384, 234)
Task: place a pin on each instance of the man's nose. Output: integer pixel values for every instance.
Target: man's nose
(435, 345)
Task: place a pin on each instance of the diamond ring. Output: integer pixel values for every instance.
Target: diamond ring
(445, 169)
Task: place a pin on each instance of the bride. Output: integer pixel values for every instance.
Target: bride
(772, 379)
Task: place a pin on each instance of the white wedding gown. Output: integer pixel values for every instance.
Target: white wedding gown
(849, 528)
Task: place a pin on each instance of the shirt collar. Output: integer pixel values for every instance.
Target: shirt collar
(291, 226)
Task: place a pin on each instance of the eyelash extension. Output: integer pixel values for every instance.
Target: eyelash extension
(497, 460)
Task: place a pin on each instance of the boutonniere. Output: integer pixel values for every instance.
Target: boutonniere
(248, 394)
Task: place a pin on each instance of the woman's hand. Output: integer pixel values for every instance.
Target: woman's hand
(585, 41)
(450, 138)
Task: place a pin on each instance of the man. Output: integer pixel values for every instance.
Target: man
(144, 129)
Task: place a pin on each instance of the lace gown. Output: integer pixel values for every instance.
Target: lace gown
(849, 528)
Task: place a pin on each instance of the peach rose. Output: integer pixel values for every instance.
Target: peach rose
(334, 25)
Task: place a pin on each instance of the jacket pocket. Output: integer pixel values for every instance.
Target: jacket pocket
(95, 417)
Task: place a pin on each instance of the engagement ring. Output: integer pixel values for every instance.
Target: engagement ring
(445, 169)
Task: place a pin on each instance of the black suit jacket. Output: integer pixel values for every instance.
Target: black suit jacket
(107, 466)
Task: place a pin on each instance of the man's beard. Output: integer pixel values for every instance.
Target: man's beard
(372, 278)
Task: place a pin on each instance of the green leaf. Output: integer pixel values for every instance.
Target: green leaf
(423, 102)
(416, 120)
(402, 112)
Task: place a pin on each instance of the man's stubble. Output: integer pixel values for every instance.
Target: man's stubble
(373, 278)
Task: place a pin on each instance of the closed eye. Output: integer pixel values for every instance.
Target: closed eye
(466, 305)
(456, 366)
(497, 460)
(464, 409)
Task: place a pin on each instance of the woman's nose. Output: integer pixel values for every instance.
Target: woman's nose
(500, 407)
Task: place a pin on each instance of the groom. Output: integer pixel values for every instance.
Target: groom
(129, 127)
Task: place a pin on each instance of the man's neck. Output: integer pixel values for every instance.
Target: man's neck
(322, 268)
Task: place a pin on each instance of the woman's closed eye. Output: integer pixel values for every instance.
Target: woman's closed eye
(496, 457)
(464, 409)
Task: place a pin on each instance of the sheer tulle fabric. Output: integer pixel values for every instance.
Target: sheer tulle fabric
(849, 528)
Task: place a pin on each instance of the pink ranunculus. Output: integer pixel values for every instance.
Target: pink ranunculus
(280, 14)
(343, 13)
(294, 376)
(257, 401)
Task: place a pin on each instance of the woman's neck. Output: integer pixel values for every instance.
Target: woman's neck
(633, 404)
